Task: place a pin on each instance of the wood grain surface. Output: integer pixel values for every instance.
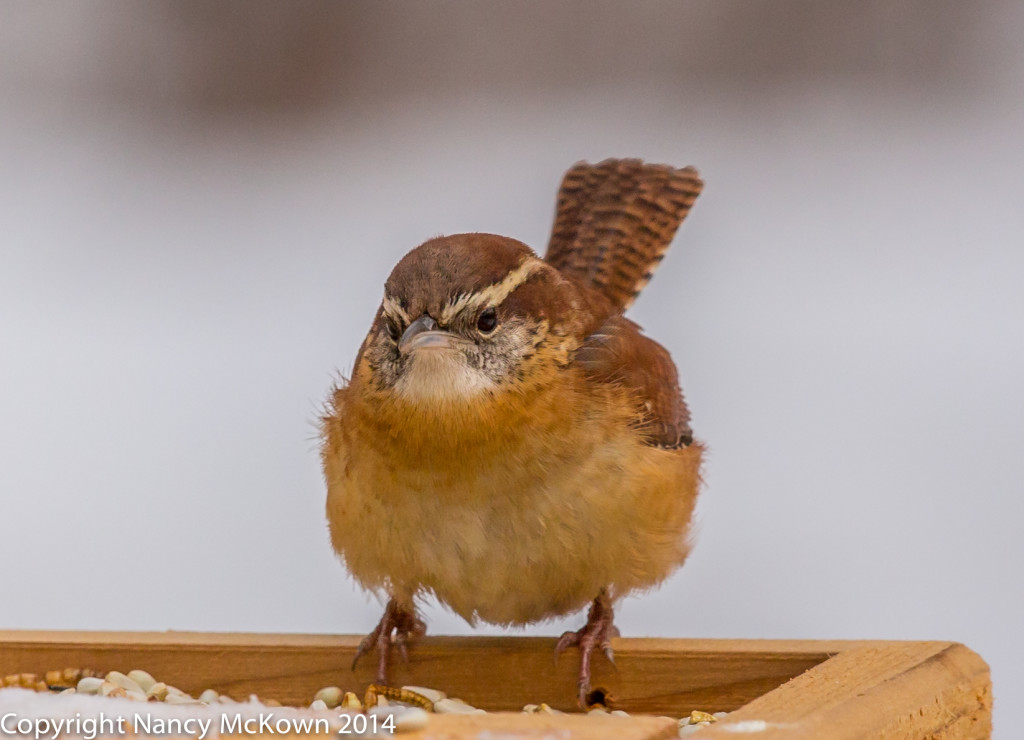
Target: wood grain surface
(891, 690)
(784, 689)
(496, 673)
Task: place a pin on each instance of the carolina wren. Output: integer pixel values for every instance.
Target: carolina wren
(508, 441)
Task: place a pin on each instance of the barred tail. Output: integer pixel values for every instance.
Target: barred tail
(616, 219)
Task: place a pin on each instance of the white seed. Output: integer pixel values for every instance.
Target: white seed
(108, 688)
(432, 694)
(545, 709)
(351, 701)
(119, 679)
(318, 705)
(143, 679)
(719, 715)
(136, 696)
(331, 696)
(90, 685)
(157, 691)
(619, 713)
(181, 699)
(225, 699)
(175, 690)
(411, 720)
(597, 711)
(68, 691)
(209, 696)
(685, 730)
(530, 709)
(382, 701)
(455, 706)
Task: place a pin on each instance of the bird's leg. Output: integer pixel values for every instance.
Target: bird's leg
(404, 624)
(597, 632)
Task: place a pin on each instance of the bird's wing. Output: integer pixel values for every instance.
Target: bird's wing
(618, 353)
(615, 220)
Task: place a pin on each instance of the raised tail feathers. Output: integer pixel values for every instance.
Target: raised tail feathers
(615, 220)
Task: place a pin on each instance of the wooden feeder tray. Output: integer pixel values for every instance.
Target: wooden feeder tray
(788, 688)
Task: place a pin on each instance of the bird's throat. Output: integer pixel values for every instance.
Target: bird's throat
(441, 376)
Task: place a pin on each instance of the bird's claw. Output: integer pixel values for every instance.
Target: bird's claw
(367, 643)
(402, 640)
(567, 640)
(597, 632)
(582, 689)
(404, 624)
(608, 653)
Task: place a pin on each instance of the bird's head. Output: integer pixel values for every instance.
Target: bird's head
(465, 316)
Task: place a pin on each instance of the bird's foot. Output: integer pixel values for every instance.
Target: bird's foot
(398, 626)
(597, 632)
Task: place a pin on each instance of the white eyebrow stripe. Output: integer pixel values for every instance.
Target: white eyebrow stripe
(392, 307)
(494, 294)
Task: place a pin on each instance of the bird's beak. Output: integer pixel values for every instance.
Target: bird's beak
(424, 334)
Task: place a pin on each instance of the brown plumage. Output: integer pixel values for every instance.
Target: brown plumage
(615, 221)
(509, 442)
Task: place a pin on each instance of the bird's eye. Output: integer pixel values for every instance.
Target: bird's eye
(392, 328)
(487, 320)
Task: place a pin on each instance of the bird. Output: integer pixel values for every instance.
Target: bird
(508, 442)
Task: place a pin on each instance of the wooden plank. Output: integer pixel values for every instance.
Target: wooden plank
(888, 690)
(788, 689)
(496, 673)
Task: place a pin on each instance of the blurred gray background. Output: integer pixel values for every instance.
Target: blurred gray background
(200, 202)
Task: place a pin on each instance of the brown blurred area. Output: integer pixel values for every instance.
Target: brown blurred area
(259, 55)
